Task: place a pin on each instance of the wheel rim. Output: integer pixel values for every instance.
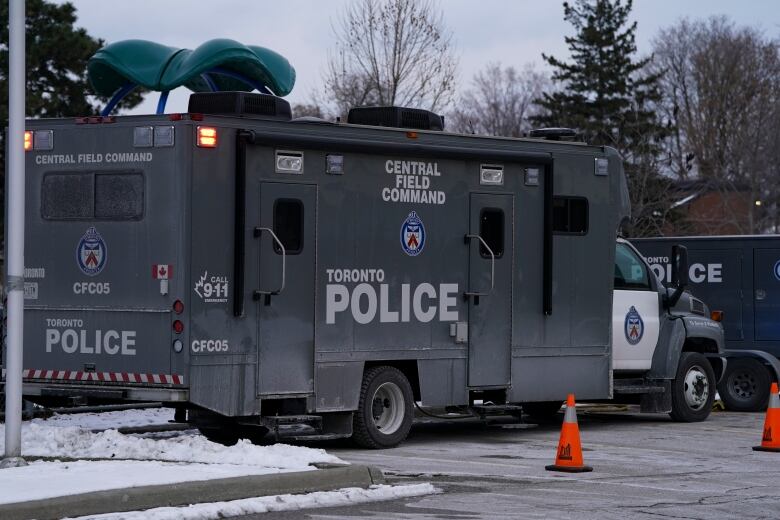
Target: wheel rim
(697, 388)
(387, 408)
(742, 385)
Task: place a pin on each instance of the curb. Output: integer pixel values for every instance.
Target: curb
(186, 493)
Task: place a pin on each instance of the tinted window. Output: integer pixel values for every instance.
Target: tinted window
(288, 225)
(119, 196)
(630, 270)
(570, 215)
(89, 196)
(491, 229)
(67, 196)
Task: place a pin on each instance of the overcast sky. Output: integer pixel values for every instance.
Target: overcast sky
(512, 32)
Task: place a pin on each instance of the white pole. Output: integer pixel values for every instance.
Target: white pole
(15, 260)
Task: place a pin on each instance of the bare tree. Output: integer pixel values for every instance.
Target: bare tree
(390, 52)
(500, 101)
(721, 87)
(307, 110)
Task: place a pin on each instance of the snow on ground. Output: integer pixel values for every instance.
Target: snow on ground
(133, 460)
(42, 440)
(106, 420)
(247, 506)
(159, 459)
(42, 479)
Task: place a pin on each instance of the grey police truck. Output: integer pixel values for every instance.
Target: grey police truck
(740, 277)
(264, 271)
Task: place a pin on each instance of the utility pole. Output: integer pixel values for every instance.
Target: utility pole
(15, 260)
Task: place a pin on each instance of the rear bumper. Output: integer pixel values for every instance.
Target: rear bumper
(159, 393)
(107, 385)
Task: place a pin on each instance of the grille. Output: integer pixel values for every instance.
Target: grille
(697, 307)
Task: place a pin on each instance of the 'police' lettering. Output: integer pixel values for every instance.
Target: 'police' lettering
(424, 303)
(73, 341)
(697, 273)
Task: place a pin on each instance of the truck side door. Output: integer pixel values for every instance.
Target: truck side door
(635, 312)
(286, 319)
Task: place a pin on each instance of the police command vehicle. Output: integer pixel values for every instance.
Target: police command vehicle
(263, 271)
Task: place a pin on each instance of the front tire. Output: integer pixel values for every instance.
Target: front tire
(745, 386)
(693, 389)
(384, 415)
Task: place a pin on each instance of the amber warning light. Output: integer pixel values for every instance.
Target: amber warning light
(207, 137)
(716, 315)
(28, 141)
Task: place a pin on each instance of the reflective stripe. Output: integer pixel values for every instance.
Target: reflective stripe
(116, 377)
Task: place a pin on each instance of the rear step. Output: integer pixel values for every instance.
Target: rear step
(637, 386)
(294, 426)
(486, 410)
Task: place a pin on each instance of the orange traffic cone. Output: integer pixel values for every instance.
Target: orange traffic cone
(569, 457)
(771, 438)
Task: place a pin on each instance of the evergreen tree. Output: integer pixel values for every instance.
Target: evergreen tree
(56, 55)
(609, 98)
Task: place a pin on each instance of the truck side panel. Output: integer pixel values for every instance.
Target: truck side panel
(734, 274)
(223, 347)
(582, 292)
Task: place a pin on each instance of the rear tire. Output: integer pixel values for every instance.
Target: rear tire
(384, 415)
(693, 389)
(745, 385)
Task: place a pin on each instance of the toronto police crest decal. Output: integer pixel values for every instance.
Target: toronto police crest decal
(413, 235)
(634, 326)
(91, 253)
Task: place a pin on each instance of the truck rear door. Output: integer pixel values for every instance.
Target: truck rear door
(104, 234)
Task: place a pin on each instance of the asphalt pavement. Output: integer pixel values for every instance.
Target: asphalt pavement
(645, 467)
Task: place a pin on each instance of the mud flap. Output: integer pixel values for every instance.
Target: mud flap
(657, 402)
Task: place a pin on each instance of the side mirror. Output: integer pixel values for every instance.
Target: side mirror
(679, 266)
(679, 274)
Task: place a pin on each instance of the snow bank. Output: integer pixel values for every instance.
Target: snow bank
(42, 440)
(106, 420)
(248, 506)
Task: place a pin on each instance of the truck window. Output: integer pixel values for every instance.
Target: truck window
(630, 270)
(491, 229)
(119, 196)
(570, 215)
(288, 225)
(92, 196)
(67, 196)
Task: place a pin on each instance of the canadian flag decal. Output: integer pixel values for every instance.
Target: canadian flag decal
(162, 271)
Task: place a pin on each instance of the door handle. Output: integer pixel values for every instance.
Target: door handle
(468, 239)
(259, 292)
